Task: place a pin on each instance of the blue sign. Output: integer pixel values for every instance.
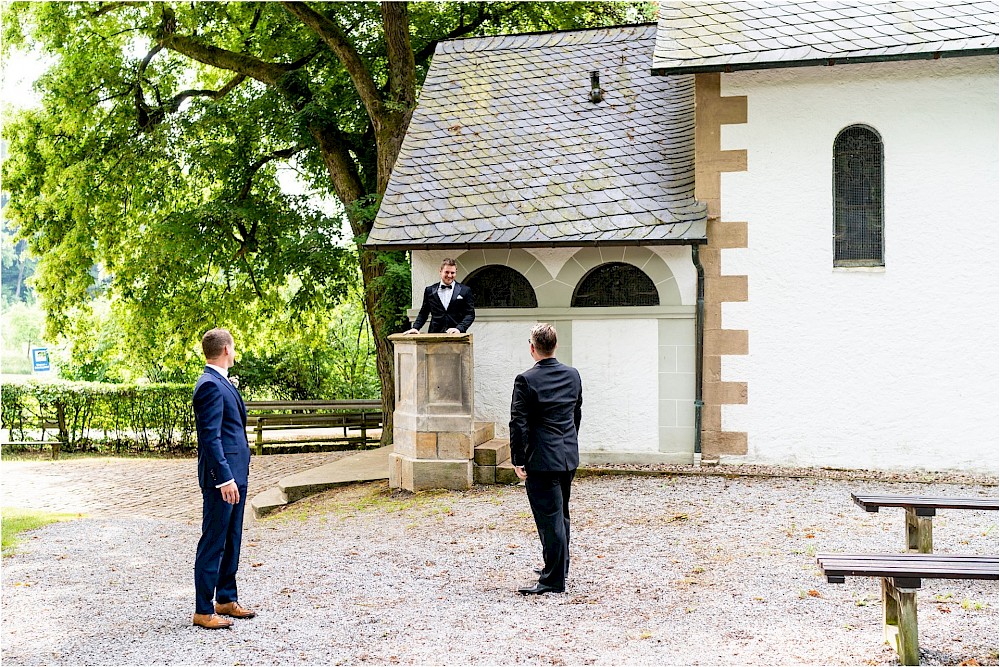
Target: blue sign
(39, 359)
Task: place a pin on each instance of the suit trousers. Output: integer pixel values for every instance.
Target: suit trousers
(548, 495)
(218, 555)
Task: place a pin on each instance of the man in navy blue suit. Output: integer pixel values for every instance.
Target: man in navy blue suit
(545, 415)
(223, 470)
(448, 304)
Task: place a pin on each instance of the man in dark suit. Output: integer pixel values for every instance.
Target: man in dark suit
(223, 470)
(448, 303)
(544, 421)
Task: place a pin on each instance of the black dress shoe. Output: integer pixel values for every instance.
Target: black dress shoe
(538, 589)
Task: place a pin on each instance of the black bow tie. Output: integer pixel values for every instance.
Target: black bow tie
(445, 286)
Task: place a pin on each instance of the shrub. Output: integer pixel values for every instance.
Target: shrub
(101, 416)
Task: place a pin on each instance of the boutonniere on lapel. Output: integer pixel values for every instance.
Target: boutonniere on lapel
(234, 380)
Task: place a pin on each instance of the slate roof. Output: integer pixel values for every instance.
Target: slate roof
(505, 147)
(757, 34)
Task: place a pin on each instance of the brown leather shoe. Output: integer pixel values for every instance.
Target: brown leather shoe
(234, 609)
(211, 621)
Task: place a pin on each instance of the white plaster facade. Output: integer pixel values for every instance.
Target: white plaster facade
(637, 364)
(878, 368)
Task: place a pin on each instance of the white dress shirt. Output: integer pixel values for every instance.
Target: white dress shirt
(222, 371)
(444, 293)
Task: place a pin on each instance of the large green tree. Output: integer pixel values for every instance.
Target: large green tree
(155, 152)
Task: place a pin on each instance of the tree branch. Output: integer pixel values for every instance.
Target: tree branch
(312, 53)
(148, 117)
(334, 37)
(482, 16)
(149, 57)
(343, 172)
(256, 166)
(174, 103)
(248, 66)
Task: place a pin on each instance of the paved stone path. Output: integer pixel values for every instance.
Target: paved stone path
(158, 488)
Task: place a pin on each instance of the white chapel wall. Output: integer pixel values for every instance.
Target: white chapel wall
(893, 368)
(637, 365)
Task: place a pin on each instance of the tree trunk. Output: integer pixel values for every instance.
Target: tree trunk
(373, 273)
(380, 302)
(20, 278)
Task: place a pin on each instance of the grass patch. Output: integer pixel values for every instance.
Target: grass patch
(16, 521)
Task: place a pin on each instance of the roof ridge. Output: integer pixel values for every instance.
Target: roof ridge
(543, 39)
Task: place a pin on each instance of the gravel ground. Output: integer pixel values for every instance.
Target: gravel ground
(671, 569)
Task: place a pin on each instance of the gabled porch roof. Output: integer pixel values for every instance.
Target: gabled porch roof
(506, 148)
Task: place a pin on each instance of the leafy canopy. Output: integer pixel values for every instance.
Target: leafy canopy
(155, 154)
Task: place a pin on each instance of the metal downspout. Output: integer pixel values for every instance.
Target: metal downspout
(698, 345)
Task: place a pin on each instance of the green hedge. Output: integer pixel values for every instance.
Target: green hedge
(97, 416)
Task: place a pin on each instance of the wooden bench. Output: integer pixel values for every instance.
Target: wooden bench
(919, 511)
(901, 575)
(310, 415)
(53, 441)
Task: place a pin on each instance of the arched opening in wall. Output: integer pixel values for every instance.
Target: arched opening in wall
(498, 286)
(615, 284)
(858, 220)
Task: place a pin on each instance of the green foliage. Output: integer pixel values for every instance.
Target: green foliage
(22, 324)
(89, 415)
(326, 356)
(321, 353)
(188, 233)
(92, 348)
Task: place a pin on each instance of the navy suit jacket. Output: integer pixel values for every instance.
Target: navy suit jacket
(460, 314)
(221, 419)
(545, 417)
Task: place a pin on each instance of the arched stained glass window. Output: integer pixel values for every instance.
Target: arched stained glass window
(615, 284)
(858, 220)
(498, 286)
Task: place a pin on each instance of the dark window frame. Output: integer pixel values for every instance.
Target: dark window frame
(521, 293)
(858, 197)
(594, 294)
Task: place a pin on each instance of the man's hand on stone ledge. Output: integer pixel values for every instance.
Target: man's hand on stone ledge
(411, 331)
(453, 330)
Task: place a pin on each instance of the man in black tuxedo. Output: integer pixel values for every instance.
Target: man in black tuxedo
(223, 470)
(448, 303)
(544, 421)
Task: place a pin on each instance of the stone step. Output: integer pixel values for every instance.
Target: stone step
(505, 473)
(367, 466)
(482, 432)
(492, 465)
(492, 452)
(501, 474)
(268, 501)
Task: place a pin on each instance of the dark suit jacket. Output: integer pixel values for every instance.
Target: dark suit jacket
(221, 419)
(545, 417)
(460, 314)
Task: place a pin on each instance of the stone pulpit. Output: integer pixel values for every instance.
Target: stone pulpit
(433, 431)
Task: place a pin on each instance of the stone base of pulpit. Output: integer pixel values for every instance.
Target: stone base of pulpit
(433, 431)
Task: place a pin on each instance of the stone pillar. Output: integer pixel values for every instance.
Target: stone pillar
(432, 425)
